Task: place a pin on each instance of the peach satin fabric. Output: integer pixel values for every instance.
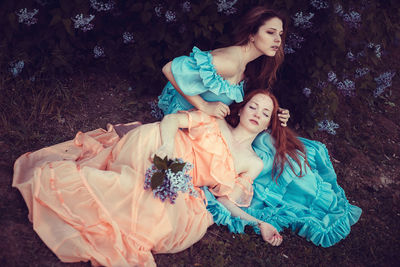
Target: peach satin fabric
(86, 198)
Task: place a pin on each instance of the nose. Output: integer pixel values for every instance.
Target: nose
(277, 38)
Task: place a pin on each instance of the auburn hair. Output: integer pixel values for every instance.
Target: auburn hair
(261, 72)
(285, 141)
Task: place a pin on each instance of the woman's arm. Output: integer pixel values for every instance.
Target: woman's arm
(217, 109)
(169, 126)
(268, 232)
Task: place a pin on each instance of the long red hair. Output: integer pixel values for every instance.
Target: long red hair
(260, 73)
(286, 143)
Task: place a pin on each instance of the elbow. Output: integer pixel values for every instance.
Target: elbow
(167, 69)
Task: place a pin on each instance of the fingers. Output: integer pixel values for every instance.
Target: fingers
(276, 240)
(283, 116)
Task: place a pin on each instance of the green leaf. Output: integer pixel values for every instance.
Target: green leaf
(160, 163)
(157, 179)
(177, 167)
(67, 25)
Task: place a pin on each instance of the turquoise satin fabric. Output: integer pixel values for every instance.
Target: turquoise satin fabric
(314, 205)
(196, 75)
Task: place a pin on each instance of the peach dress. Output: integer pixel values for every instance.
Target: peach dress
(86, 198)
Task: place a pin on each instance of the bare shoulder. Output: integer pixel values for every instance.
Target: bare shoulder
(226, 60)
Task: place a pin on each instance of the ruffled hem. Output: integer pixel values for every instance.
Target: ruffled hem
(314, 219)
(222, 215)
(168, 102)
(212, 80)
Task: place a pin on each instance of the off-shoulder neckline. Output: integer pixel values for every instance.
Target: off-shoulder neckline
(211, 57)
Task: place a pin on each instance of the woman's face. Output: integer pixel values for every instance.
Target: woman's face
(256, 114)
(268, 38)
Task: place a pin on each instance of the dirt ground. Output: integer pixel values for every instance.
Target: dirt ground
(367, 163)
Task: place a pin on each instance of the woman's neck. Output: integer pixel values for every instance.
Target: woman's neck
(243, 136)
(249, 53)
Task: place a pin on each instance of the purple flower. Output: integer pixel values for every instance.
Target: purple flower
(293, 41)
(186, 6)
(27, 17)
(128, 37)
(226, 6)
(383, 81)
(350, 56)
(328, 126)
(98, 51)
(158, 10)
(303, 21)
(101, 6)
(83, 23)
(156, 112)
(332, 77)
(353, 19)
(307, 91)
(173, 182)
(170, 16)
(347, 87)
(361, 72)
(16, 67)
(319, 4)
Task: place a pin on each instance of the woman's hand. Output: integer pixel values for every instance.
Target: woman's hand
(270, 234)
(283, 115)
(165, 150)
(216, 109)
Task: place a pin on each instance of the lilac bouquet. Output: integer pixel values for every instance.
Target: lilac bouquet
(166, 177)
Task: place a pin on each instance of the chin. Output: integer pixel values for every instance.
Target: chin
(270, 53)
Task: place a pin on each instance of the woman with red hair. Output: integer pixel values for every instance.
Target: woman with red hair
(298, 185)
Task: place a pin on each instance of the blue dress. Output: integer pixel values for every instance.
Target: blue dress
(314, 206)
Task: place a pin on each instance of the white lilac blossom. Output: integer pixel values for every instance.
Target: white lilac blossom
(172, 181)
(83, 23)
(350, 56)
(158, 10)
(102, 6)
(186, 6)
(319, 4)
(27, 17)
(307, 91)
(156, 112)
(377, 47)
(170, 16)
(98, 51)
(383, 81)
(303, 21)
(332, 77)
(347, 87)
(339, 10)
(226, 6)
(361, 72)
(293, 41)
(16, 67)
(321, 84)
(353, 19)
(128, 37)
(370, 45)
(328, 126)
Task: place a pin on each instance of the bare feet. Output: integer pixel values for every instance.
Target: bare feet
(270, 234)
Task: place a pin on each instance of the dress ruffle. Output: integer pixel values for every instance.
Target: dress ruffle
(196, 75)
(212, 80)
(314, 205)
(222, 216)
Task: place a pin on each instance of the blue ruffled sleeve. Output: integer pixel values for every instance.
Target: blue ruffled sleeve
(196, 75)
